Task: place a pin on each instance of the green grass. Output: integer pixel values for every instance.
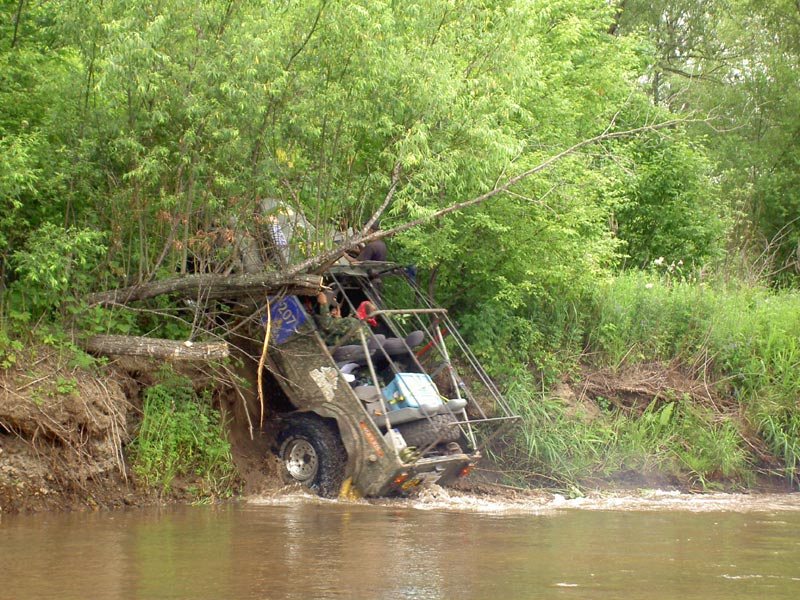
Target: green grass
(743, 341)
(181, 434)
(678, 440)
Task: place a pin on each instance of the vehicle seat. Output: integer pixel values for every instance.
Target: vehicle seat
(376, 341)
(396, 346)
(350, 353)
(368, 393)
(415, 338)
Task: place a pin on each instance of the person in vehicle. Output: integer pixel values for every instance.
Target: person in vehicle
(279, 244)
(336, 328)
(374, 250)
(363, 312)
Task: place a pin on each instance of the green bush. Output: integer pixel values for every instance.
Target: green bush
(53, 268)
(742, 340)
(182, 435)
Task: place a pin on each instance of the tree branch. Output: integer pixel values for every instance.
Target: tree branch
(16, 23)
(129, 345)
(213, 286)
(364, 236)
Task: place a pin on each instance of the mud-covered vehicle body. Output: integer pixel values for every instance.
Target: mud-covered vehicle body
(386, 411)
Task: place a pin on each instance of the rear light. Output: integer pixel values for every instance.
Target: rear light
(400, 478)
(465, 470)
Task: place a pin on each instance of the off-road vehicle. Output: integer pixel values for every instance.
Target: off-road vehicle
(387, 410)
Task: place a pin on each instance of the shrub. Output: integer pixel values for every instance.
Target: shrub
(54, 266)
(181, 434)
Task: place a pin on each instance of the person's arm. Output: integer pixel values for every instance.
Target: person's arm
(325, 318)
(368, 253)
(357, 258)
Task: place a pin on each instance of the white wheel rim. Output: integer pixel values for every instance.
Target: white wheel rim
(301, 460)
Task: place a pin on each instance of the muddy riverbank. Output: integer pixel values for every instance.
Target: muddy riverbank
(65, 432)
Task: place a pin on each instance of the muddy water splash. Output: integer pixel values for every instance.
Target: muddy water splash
(441, 545)
(529, 502)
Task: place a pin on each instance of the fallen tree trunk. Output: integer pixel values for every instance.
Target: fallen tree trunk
(129, 345)
(213, 287)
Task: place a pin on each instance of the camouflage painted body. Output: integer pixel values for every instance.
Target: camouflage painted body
(329, 408)
(313, 383)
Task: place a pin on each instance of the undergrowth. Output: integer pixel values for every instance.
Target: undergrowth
(182, 435)
(676, 440)
(743, 341)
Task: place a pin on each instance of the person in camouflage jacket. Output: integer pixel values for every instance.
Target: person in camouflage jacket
(337, 329)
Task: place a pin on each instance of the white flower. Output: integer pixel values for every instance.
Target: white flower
(648, 285)
(659, 261)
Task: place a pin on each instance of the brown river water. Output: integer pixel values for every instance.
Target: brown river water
(651, 546)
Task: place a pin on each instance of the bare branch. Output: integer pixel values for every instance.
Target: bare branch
(129, 345)
(364, 235)
(212, 287)
(310, 33)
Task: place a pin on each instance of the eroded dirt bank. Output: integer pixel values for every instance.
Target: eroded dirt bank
(65, 431)
(62, 434)
(65, 435)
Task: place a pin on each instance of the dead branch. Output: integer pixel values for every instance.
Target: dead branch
(213, 287)
(127, 345)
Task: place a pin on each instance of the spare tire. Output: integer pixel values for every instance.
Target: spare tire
(312, 454)
(436, 429)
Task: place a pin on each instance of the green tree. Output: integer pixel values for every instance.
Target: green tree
(670, 208)
(737, 61)
(189, 114)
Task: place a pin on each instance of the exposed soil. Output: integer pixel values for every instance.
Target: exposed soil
(64, 431)
(62, 435)
(634, 388)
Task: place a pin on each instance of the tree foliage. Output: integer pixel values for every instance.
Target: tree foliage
(167, 126)
(737, 61)
(670, 208)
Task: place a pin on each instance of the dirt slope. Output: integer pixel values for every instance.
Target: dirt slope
(64, 432)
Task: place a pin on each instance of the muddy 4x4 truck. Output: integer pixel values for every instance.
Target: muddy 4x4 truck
(387, 411)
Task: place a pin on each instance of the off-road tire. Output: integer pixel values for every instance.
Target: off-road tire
(312, 454)
(438, 429)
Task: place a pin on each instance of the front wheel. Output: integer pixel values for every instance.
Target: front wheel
(312, 454)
